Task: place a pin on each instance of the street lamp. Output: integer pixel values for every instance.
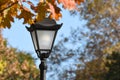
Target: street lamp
(43, 35)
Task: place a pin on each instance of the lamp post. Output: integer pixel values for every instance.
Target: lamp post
(43, 35)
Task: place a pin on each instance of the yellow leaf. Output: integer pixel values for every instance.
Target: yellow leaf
(2, 66)
(5, 23)
(0, 19)
(41, 11)
(14, 10)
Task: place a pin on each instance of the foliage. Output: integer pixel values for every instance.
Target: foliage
(104, 33)
(10, 9)
(109, 69)
(93, 70)
(115, 48)
(16, 65)
(103, 24)
(113, 65)
(103, 21)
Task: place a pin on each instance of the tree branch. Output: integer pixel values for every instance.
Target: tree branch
(8, 6)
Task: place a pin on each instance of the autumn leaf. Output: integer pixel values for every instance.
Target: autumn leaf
(68, 4)
(41, 11)
(79, 1)
(6, 22)
(24, 66)
(26, 15)
(31, 5)
(44, 8)
(55, 11)
(16, 65)
(0, 19)
(2, 66)
(51, 1)
(8, 12)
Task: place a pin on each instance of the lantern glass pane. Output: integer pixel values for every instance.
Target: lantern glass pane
(45, 39)
(34, 40)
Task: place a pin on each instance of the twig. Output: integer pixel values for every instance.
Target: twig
(8, 6)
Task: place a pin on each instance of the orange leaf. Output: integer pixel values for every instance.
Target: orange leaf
(52, 10)
(51, 1)
(79, 1)
(68, 4)
(55, 11)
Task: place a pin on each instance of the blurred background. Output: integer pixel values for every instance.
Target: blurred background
(87, 47)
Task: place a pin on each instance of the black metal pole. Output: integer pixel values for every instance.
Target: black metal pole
(43, 68)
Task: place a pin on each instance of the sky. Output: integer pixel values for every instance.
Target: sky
(18, 37)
